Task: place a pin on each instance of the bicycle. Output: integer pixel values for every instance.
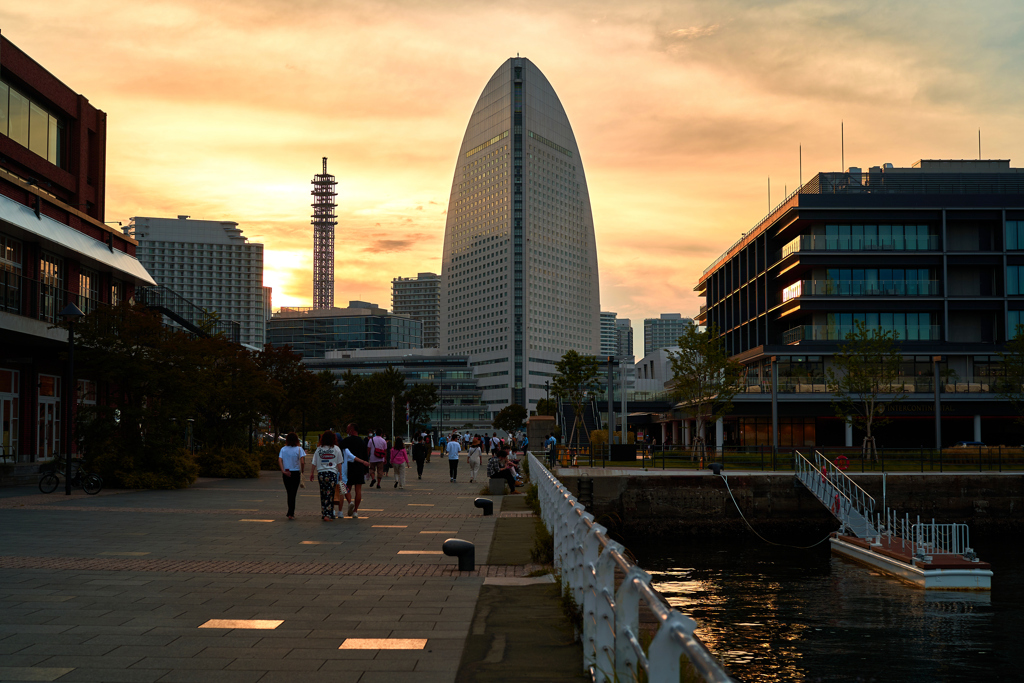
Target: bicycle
(89, 482)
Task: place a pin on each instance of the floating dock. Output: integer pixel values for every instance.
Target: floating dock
(926, 555)
(940, 571)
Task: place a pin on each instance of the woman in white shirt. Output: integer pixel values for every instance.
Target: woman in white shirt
(474, 459)
(325, 463)
(292, 460)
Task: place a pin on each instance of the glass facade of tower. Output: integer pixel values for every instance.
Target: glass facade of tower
(519, 272)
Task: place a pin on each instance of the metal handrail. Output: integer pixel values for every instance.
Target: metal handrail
(849, 496)
(588, 560)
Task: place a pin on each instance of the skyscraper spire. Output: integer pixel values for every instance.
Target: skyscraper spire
(324, 220)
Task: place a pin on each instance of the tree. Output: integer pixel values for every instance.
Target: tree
(510, 418)
(547, 406)
(866, 368)
(1011, 386)
(422, 398)
(577, 376)
(282, 369)
(704, 379)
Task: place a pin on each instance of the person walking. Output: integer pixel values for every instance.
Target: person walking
(474, 459)
(525, 444)
(399, 462)
(551, 444)
(356, 469)
(419, 454)
(377, 448)
(453, 458)
(292, 460)
(325, 464)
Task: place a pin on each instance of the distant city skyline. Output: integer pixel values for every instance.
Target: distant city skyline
(709, 102)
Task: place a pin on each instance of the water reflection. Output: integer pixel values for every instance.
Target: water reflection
(774, 614)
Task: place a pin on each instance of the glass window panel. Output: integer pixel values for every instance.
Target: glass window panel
(37, 130)
(4, 94)
(51, 141)
(1011, 280)
(18, 121)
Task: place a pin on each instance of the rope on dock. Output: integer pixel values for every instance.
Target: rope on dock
(744, 518)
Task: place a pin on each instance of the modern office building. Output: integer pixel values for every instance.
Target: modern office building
(654, 370)
(419, 298)
(519, 278)
(623, 337)
(609, 336)
(312, 332)
(211, 264)
(55, 249)
(933, 253)
(664, 331)
(458, 389)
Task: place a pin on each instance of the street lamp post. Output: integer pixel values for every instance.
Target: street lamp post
(71, 314)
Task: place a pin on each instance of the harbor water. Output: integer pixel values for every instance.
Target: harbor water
(773, 613)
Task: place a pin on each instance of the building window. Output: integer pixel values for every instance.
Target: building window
(1014, 282)
(1015, 235)
(9, 413)
(49, 414)
(30, 125)
(51, 286)
(88, 290)
(10, 274)
(116, 292)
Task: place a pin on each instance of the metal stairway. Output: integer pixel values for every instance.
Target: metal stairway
(847, 502)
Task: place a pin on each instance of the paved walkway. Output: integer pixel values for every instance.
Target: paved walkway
(116, 588)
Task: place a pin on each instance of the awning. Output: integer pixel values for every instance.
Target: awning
(62, 239)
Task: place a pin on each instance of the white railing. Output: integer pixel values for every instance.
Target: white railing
(588, 560)
(923, 539)
(849, 503)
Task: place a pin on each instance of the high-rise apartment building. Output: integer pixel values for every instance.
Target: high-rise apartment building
(519, 279)
(623, 337)
(663, 332)
(609, 337)
(419, 298)
(211, 264)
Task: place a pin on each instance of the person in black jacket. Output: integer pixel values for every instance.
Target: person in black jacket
(419, 454)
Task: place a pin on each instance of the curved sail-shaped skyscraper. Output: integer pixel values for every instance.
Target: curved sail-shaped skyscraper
(519, 271)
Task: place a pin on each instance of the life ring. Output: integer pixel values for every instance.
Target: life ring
(842, 463)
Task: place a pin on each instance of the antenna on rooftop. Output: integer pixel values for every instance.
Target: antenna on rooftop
(842, 147)
(979, 144)
(801, 165)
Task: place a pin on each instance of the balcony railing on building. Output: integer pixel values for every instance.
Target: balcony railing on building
(803, 333)
(861, 243)
(39, 299)
(905, 385)
(859, 288)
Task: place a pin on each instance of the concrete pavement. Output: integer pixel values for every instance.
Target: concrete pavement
(116, 588)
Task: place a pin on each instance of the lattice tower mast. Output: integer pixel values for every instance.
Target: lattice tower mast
(324, 220)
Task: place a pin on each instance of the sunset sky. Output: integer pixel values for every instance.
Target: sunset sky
(682, 110)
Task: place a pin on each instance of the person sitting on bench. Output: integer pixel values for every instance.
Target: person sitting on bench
(498, 467)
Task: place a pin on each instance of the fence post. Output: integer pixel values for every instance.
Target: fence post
(604, 614)
(664, 652)
(579, 537)
(591, 550)
(627, 622)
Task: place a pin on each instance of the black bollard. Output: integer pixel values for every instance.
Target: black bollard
(464, 550)
(486, 504)
(715, 467)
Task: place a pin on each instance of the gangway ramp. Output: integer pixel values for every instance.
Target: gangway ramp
(847, 501)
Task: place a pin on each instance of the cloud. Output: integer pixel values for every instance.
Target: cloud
(389, 246)
(694, 32)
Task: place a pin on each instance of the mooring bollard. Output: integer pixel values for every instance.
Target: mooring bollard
(716, 468)
(464, 550)
(485, 504)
